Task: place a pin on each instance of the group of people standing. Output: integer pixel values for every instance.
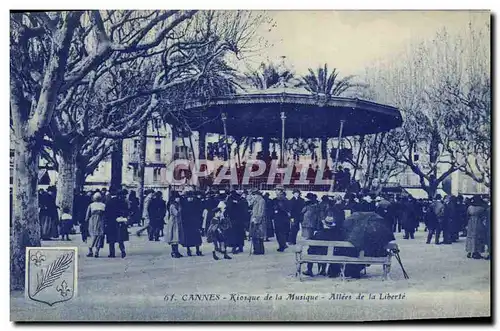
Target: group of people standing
(227, 219)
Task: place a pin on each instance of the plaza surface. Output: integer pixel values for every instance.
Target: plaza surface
(443, 283)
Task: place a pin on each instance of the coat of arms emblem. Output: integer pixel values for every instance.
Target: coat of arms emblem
(51, 274)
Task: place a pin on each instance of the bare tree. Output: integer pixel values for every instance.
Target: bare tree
(424, 131)
(463, 88)
(59, 59)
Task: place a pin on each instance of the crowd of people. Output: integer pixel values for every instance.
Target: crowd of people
(229, 218)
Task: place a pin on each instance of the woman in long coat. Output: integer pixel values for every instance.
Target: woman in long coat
(115, 225)
(95, 220)
(476, 228)
(174, 231)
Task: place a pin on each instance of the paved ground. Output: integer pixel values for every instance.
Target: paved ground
(443, 283)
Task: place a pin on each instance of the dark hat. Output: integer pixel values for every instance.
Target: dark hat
(311, 196)
(477, 200)
(114, 191)
(174, 194)
(254, 191)
(296, 191)
(324, 198)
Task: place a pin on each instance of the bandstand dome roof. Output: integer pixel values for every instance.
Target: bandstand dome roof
(257, 113)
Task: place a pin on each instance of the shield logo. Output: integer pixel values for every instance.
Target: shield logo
(51, 274)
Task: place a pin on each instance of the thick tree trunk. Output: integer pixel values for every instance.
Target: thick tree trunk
(117, 166)
(25, 230)
(431, 190)
(66, 178)
(142, 164)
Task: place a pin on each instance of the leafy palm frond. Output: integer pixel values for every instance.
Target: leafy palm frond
(53, 273)
(268, 76)
(320, 81)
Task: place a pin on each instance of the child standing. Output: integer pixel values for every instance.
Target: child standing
(66, 224)
(215, 233)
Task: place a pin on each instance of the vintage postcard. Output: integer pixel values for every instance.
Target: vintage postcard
(250, 165)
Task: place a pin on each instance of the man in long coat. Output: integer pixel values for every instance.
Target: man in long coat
(296, 204)
(115, 229)
(407, 217)
(436, 208)
(281, 218)
(157, 209)
(310, 213)
(257, 222)
(268, 219)
(235, 235)
(191, 224)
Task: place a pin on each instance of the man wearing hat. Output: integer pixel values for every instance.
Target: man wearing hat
(191, 224)
(310, 214)
(157, 209)
(235, 236)
(115, 223)
(296, 204)
(281, 218)
(257, 222)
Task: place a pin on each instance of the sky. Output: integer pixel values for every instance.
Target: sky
(352, 40)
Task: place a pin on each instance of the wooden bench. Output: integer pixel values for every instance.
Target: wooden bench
(301, 256)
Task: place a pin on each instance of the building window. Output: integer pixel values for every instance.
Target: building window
(156, 123)
(136, 145)
(158, 150)
(156, 174)
(135, 169)
(181, 151)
